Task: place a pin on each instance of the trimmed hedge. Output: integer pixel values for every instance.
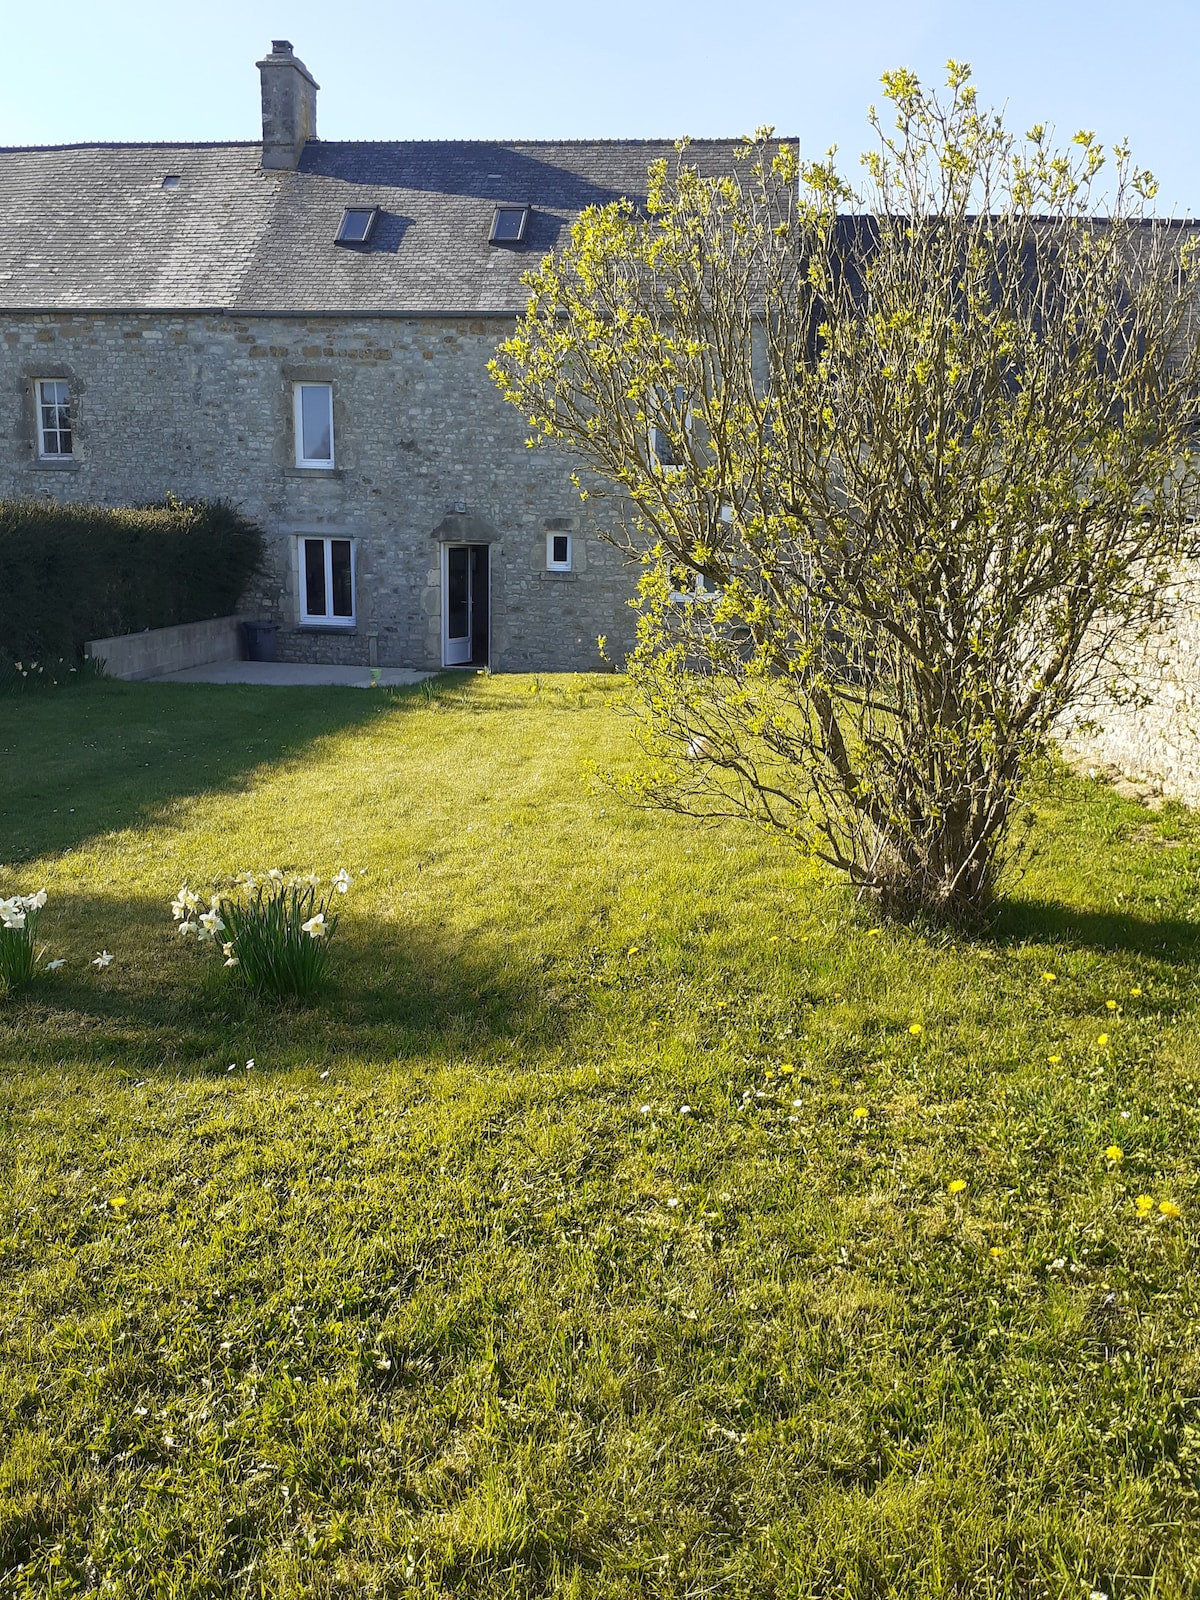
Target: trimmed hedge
(69, 573)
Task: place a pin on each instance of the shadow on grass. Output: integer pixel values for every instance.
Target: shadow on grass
(112, 755)
(163, 1006)
(1170, 939)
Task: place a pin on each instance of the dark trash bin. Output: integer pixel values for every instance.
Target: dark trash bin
(258, 641)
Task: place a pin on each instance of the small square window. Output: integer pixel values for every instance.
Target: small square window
(558, 552)
(55, 435)
(357, 225)
(327, 582)
(313, 416)
(508, 224)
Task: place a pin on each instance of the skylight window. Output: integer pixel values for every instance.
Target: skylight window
(508, 224)
(357, 225)
(171, 181)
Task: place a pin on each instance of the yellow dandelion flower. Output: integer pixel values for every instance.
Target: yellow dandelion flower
(1110, 1005)
(859, 1113)
(786, 1068)
(1144, 1204)
(1102, 1040)
(873, 933)
(1054, 1061)
(1049, 977)
(1136, 991)
(996, 1250)
(956, 1186)
(1168, 1208)
(118, 1200)
(1114, 1153)
(915, 1029)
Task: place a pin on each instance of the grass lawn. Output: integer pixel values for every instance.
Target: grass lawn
(629, 1219)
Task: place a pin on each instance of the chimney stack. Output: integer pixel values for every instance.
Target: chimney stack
(289, 107)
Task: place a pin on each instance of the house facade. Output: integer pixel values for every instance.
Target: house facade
(303, 328)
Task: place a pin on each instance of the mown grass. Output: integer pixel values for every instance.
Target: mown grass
(446, 1295)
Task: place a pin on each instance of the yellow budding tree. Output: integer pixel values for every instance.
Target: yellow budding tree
(900, 466)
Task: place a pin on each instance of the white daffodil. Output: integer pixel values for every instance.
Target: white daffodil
(210, 924)
(310, 880)
(275, 875)
(342, 881)
(187, 927)
(231, 961)
(53, 966)
(35, 902)
(315, 926)
(12, 912)
(104, 959)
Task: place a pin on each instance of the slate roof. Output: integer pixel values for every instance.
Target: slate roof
(90, 227)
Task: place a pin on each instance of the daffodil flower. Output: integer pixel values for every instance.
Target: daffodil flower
(315, 926)
(342, 881)
(53, 966)
(103, 959)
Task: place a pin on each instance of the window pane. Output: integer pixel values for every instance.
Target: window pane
(560, 550)
(314, 578)
(457, 592)
(343, 589)
(316, 422)
(54, 411)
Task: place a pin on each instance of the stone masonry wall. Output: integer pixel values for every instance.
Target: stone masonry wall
(1145, 721)
(200, 405)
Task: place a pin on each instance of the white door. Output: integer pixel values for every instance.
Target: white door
(456, 605)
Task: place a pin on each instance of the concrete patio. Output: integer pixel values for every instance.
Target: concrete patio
(292, 674)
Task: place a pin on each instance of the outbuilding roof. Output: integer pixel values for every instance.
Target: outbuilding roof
(96, 227)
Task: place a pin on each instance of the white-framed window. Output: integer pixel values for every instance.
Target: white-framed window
(55, 436)
(558, 552)
(326, 581)
(313, 415)
(667, 456)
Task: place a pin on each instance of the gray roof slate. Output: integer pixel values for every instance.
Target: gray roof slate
(90, 227)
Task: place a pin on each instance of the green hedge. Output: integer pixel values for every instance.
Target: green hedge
(73, 573)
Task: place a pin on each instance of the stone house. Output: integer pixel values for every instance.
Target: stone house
(303, 327)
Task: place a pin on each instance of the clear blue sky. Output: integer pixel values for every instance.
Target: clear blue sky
(466, 69)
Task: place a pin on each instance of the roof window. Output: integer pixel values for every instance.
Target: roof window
(508, 225)
(357, 225)
(171, 181)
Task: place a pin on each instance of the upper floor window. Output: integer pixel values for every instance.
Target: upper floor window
(55, 442)
(313, 404)
(666, 453)
(558, 552)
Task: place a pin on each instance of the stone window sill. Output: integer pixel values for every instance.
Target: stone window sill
(313, 472)
(559, 577)
(327, 627)
(53, 466)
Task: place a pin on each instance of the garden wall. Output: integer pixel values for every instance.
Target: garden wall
(156, 650)
(1153, 736)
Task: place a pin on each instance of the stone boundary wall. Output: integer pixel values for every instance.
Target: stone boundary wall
(1144, 720)
(190, 644)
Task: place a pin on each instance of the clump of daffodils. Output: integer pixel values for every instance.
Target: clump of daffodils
(18, 946)
(271, 928)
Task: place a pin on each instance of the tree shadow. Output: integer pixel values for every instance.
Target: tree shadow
(165, 1006)
(1173, 940)
(115, 755)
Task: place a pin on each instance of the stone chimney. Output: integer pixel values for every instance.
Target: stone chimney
(289, 107)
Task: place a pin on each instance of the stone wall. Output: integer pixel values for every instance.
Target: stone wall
(200, 405)
(1144, 720)
(156, 650)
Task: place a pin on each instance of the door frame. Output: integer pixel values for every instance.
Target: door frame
(444, 604)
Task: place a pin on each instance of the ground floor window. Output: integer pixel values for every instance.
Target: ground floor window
(327, 581)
